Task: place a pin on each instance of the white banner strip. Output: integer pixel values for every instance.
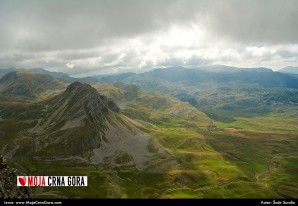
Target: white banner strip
(52, 181)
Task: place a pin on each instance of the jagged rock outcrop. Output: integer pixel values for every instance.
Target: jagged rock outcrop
(8, 184)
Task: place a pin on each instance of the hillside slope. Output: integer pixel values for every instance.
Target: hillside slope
(29, 85)
(156, 108)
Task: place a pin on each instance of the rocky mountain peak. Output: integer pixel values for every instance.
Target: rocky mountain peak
(79, 86)
(79, 108)
(89, 96)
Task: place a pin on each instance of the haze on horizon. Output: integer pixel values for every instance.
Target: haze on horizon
(82, 37)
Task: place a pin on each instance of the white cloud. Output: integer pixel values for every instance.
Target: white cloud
(70, 65)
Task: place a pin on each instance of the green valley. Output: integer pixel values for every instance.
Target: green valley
(171, 149)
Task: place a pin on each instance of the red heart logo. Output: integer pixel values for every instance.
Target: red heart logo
(22, 181)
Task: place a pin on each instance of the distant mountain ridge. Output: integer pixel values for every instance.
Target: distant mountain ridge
(290, 70)
(217, 73)
(58, 75)
(227, 69)
(11, 69)
(28, 84)
(262, 76)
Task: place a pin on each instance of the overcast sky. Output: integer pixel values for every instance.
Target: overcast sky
(107, 36)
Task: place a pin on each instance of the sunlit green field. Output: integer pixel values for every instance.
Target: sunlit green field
(274, 122)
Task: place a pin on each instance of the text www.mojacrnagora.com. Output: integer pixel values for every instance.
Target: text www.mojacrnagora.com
(30, 202)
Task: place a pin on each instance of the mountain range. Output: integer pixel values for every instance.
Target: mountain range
(261, 76)
(220, 94)
(289, 70)
(166, 133)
